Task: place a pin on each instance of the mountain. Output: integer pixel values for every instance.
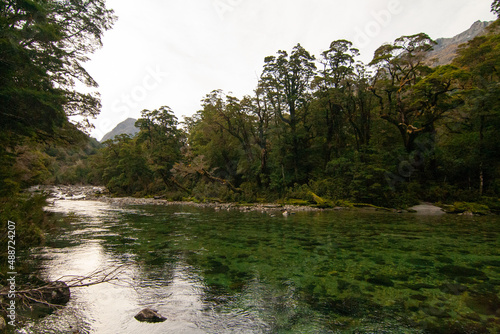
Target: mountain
(446, 49)
(126, 127)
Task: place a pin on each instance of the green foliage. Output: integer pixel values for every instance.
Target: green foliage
(298, 202)
(123, 168)
(42, 46)
(30, 220)
(460, 207)
(328, 136)
(493, 203)
(161, 139)
(495, 7)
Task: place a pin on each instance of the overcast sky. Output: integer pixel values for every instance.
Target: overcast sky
(174, 52)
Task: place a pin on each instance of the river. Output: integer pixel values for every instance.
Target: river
(228, 271)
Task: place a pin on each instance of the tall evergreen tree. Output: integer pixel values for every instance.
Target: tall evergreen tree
(287, 81)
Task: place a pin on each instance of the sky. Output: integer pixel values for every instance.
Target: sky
(174, 52)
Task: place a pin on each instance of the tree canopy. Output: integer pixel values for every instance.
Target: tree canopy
(390, 132)
(43, 45)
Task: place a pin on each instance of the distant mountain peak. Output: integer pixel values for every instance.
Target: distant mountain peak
(126, 127)
(446, 49)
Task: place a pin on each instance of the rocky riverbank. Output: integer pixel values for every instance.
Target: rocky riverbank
(64, 192)
(100, 193)
(259, 207)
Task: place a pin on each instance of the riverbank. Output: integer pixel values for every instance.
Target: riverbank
(99, 193)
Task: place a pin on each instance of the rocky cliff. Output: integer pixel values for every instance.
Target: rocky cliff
(446, 49)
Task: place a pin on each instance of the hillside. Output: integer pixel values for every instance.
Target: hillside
(126, 127)
(445, 50)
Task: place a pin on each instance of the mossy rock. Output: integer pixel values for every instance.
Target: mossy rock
(475, 208)
(453, 288)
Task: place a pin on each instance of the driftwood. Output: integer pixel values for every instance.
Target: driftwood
(57, 293)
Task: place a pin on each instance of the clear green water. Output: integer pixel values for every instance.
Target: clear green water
(234, 272)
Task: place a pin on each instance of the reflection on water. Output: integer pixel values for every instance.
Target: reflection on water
(232, 272)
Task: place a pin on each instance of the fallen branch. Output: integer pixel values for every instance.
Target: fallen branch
(204, 172)
(57, 293)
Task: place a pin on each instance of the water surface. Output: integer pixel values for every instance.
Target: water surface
(311, 272)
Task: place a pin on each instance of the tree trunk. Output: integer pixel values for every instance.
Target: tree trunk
(481, 138)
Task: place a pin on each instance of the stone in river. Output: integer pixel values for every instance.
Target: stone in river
(149, 315)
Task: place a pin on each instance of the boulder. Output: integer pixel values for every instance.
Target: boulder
(57, 293)
(149, 315)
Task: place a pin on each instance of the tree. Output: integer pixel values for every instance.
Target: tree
(360, 105)
(480, 59)
(263, 112)
(42, 47)
(122, 166)
(287, 79)
(334, 85)
(233, 118)
(495, 7)
(162, 141)
(220, 134)
(412, 96)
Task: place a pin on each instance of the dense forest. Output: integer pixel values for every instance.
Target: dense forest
(324, 130)
(328, 130)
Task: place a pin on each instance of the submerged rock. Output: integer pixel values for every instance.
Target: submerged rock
(419, 286)
(419, 297)
(149, 315)
(349, 307)
(453, 288)
(380, 280)
(436, 312)
(454, 271)
(485, 303)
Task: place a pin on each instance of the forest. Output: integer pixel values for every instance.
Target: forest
(323, 130)
(327, 130)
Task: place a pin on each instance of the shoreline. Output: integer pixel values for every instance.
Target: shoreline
(95, 194)
(100, 193)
